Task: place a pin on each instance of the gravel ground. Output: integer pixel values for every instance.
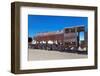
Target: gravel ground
(37, 54)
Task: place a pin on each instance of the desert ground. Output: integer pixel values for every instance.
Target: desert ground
(38, 54)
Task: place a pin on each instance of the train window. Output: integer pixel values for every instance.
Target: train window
(66, 30)
(79, 29)
(72, 30)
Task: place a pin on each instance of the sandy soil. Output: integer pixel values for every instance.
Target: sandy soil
(37, 54)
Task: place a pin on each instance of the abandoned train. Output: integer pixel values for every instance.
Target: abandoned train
(67, 39)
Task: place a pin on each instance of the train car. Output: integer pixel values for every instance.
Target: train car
(65, 40)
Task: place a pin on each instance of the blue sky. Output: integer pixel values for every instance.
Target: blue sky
(47, 23)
